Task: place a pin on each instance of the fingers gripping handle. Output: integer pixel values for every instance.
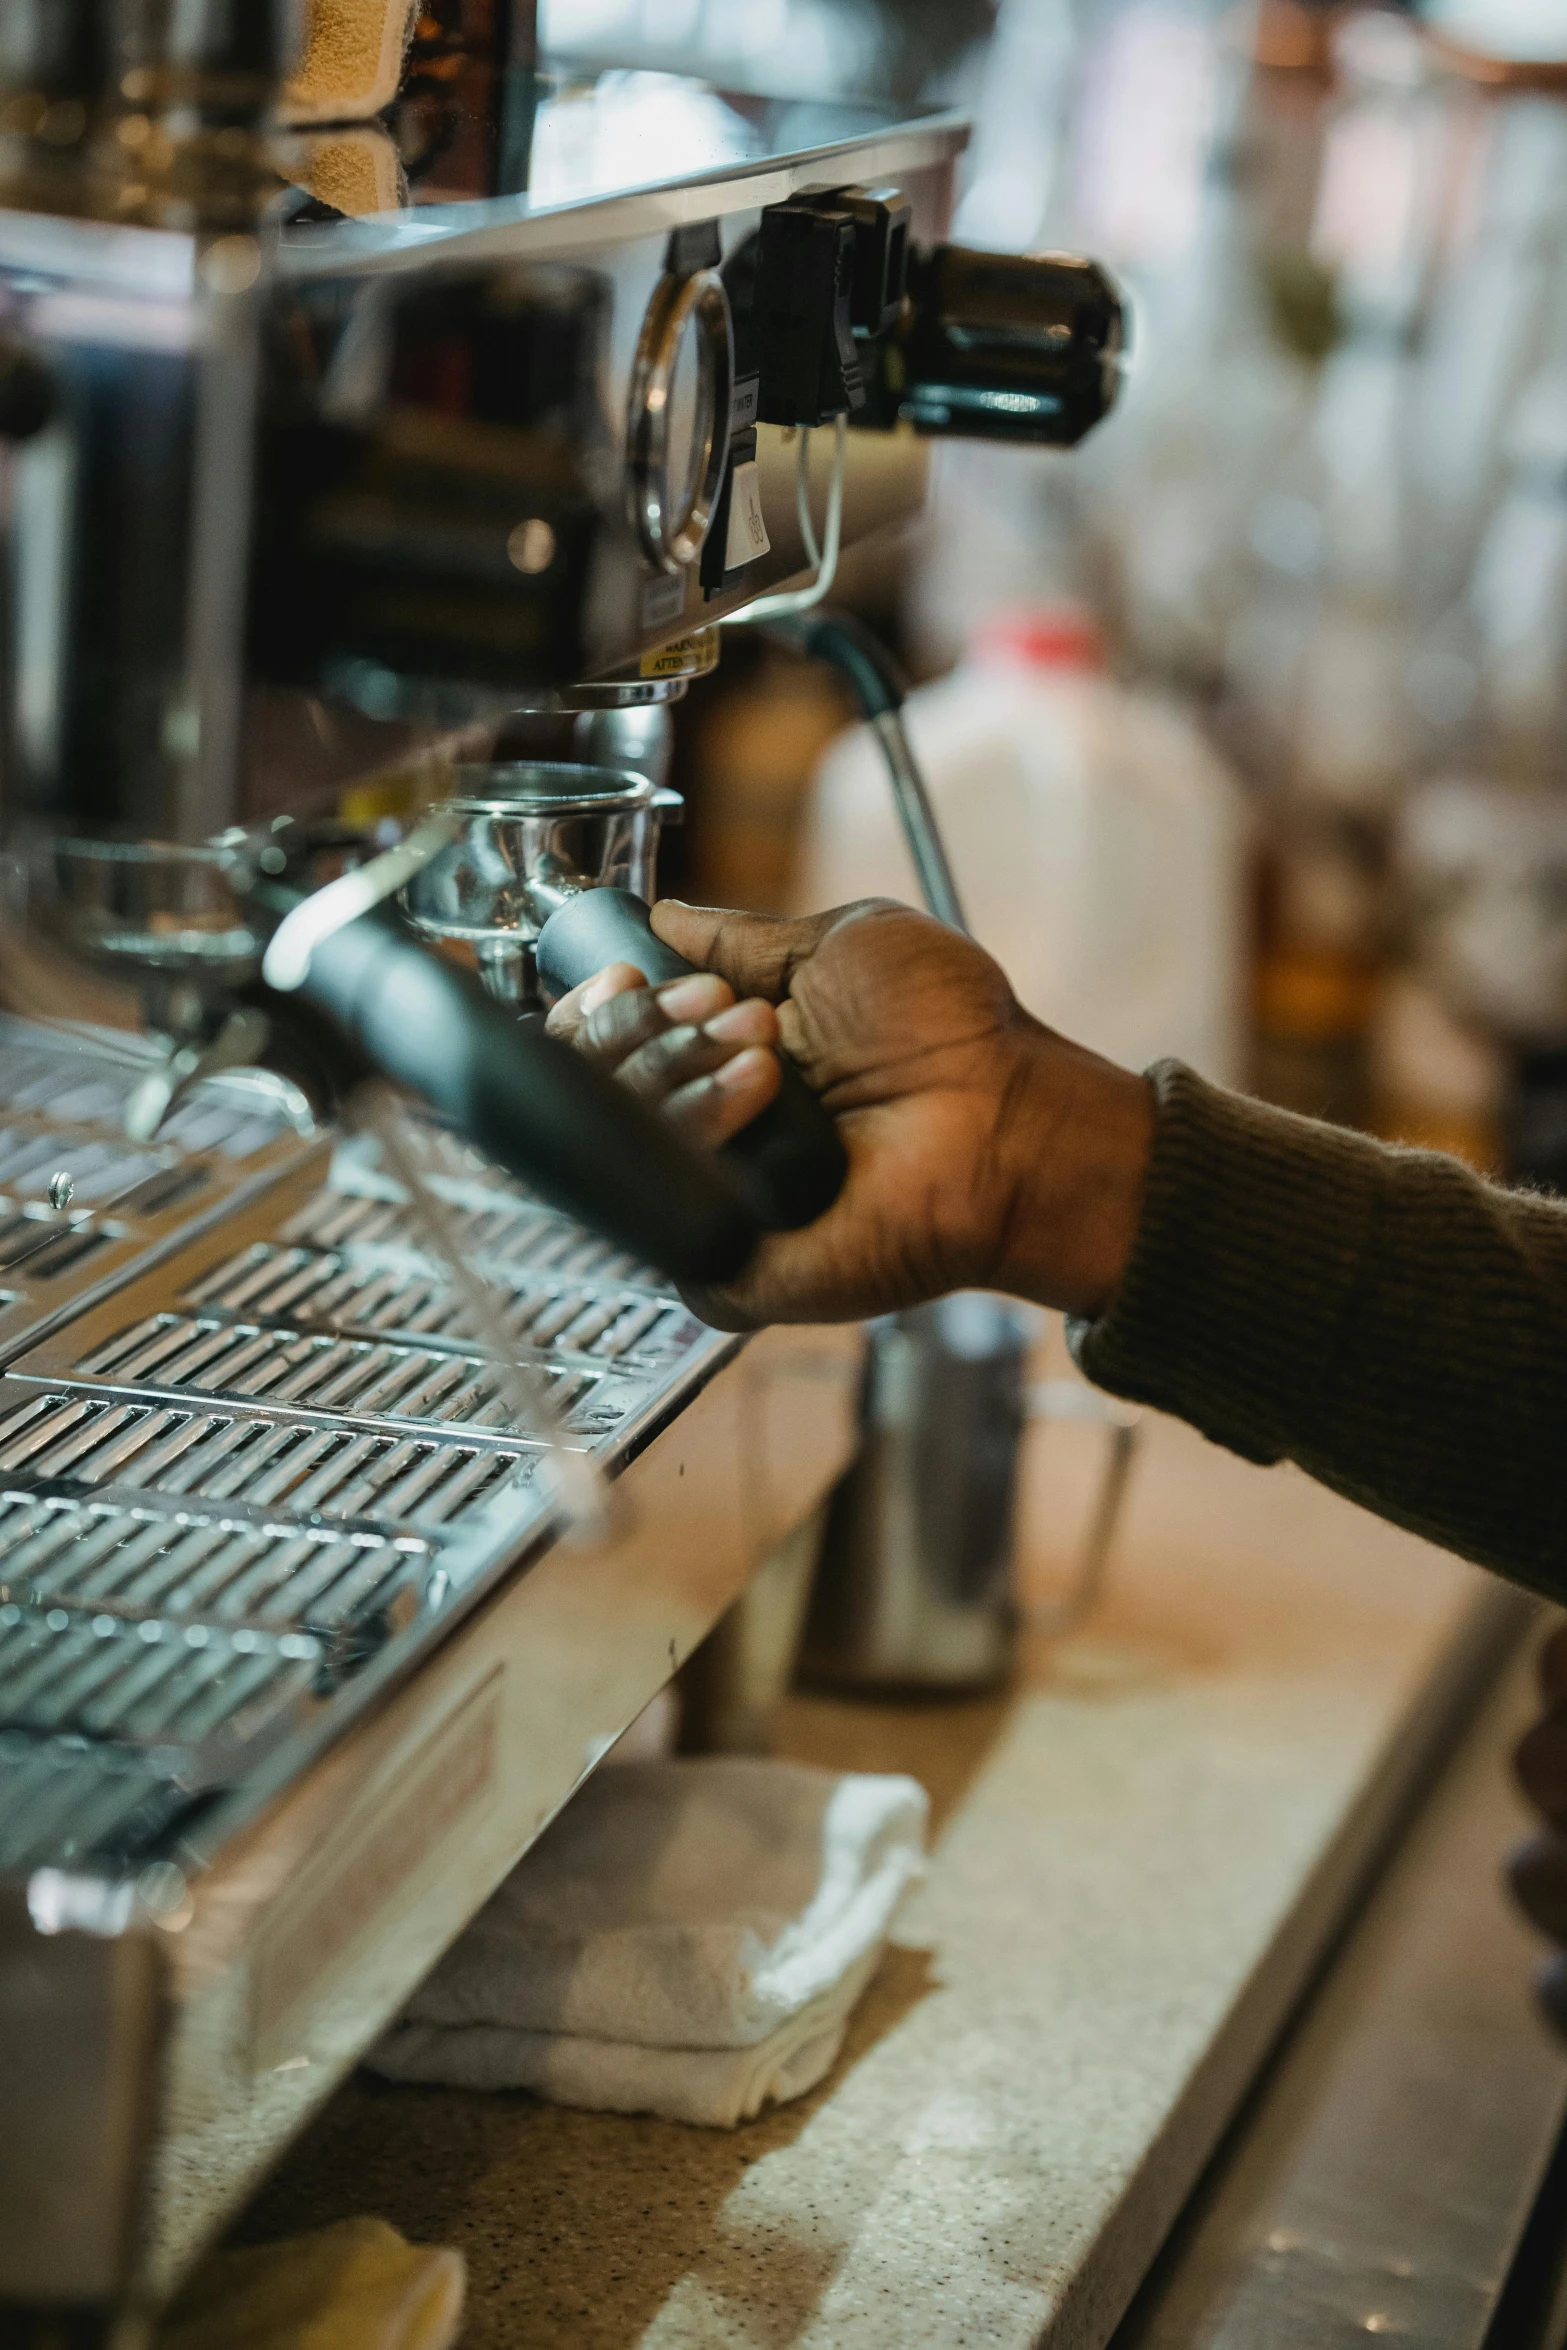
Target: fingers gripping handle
(539, 1109)
(790, 1155)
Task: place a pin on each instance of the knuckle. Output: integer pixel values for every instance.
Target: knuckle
(665, 1061)
(624, 1023)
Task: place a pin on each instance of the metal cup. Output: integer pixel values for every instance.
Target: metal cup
(529, 827)
(915, 1589)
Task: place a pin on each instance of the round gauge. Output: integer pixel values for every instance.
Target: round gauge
(678, 426)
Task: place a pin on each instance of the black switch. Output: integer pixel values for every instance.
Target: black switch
(802, 314)
(881, 256)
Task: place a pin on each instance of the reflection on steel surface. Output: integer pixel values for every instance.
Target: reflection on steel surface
(230, 1488)
(78, 1202)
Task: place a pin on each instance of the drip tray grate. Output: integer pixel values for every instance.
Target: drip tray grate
(379, 1289)
(52, 1080)
(356, 1378)
(255, 1459)
(149, 1683)
(132, 1563)
(279, 1457)
(64, 1093)
(504, 1230)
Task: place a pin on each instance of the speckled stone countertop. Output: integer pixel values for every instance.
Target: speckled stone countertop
(1138, 1852)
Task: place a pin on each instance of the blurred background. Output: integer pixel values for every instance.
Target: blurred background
(1248, 720)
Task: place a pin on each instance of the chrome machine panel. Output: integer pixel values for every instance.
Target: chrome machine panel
(262, 1505)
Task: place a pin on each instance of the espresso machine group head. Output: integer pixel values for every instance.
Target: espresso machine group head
(366, 432)
(296, 497)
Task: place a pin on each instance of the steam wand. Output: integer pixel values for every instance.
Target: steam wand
(860, 657)
(878, 687)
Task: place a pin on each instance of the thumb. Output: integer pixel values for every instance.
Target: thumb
(757, 953)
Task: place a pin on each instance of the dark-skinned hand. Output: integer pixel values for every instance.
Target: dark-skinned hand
(984, 1150)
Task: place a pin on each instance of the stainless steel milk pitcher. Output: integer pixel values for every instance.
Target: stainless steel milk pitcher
(915, 1586)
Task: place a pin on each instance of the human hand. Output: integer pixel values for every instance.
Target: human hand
(1537, 1867)
(984, 1151)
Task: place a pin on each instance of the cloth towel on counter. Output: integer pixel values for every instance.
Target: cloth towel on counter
(355, 2286)
(688, 1938)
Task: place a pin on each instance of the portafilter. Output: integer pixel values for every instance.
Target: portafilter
(527, 834)
(549, 877)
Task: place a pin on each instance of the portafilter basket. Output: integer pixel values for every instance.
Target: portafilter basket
(529, 834)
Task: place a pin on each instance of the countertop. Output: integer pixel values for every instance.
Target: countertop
(1138, 1852)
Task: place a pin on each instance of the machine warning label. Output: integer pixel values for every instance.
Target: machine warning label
(747, 526)
(684, 656)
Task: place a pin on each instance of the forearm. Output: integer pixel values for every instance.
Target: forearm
(1384, 1318)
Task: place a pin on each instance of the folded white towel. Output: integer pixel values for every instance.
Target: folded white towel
(688, 1938)
(715, 2087)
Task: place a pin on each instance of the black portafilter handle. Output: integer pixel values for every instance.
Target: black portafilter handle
(528, 1101)
(790, 1156)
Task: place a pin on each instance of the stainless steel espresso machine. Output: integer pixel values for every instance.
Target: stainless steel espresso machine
(362, 1472)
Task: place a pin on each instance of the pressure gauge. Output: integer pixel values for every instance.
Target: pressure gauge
(678, 428)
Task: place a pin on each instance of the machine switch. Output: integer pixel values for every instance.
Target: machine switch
(802, 314)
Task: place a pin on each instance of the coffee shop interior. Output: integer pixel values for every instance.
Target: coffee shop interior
(532, 1818)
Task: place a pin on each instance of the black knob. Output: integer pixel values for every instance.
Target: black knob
(1005, 346)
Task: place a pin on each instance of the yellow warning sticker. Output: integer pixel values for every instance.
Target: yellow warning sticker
(684, 656)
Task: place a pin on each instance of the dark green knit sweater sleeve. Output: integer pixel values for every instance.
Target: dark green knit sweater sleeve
(1383, 1317)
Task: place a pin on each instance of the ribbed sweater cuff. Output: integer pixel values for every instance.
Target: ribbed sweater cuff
(1251, 1237)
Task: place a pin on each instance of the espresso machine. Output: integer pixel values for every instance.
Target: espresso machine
(363, 1473)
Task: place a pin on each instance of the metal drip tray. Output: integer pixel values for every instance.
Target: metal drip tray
(63, 1097)
(361, 1275)
(133, 1562)
(255, 1484)
(145, 1683)
(357, 1379)
(250, 1461)
(292, 1663)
